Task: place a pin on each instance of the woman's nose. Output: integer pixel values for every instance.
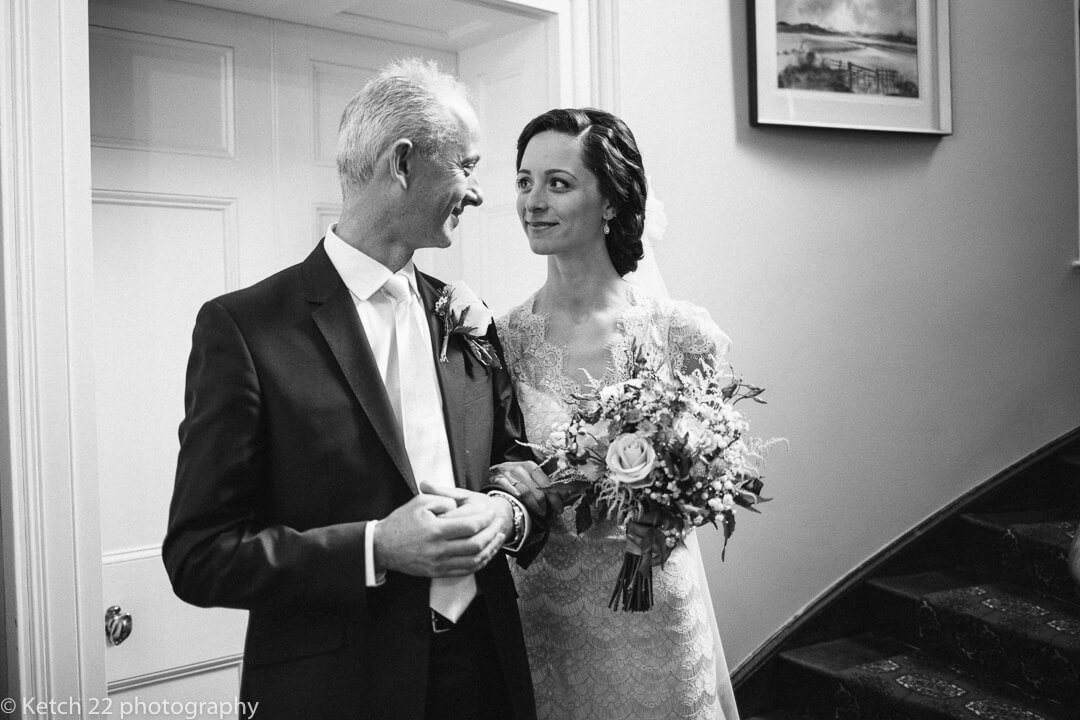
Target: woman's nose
(536, 199)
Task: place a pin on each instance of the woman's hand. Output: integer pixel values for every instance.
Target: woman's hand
(529, 484)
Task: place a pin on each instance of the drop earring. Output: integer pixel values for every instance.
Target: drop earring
(607, 230)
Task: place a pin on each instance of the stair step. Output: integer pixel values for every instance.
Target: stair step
(781, 715)
(1001, 628)
(1029, 547)
(870, 677)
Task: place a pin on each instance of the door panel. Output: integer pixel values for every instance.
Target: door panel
(161, 94)
(148, 285)
(509, 79)
(168, 637)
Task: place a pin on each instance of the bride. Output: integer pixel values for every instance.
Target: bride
(581, 200)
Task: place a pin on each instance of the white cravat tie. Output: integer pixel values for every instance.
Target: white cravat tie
(413, 388)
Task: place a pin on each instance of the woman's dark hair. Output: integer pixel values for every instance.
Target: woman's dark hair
(611, 153)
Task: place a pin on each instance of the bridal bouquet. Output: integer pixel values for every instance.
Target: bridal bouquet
(664, 448)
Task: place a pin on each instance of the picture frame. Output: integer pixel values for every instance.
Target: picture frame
(886, 67)
(1076, 59)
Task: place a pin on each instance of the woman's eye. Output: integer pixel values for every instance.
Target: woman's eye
(523, 183)
(558, 184)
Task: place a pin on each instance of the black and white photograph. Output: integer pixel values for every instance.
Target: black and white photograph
(848, 46)
(539, 359)
(875, 65)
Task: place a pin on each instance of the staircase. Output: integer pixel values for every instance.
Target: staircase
(976, 620)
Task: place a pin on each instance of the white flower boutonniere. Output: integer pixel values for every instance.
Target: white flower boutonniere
(463, 313)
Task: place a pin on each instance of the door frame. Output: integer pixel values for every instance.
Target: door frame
(52, 577)
(49, 504)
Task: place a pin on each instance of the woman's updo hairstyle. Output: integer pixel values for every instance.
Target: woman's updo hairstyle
(611, 153)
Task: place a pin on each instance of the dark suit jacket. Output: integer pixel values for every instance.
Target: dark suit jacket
(288, 446)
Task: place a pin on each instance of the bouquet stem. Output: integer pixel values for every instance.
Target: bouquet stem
(634, 587)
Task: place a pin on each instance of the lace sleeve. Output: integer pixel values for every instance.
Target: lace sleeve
(693, 337)
(510, 347)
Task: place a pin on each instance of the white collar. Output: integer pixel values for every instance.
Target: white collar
(361, 273)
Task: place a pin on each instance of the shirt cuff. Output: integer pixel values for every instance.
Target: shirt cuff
(371, 578)
(515, 544)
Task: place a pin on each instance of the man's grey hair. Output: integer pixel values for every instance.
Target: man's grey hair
(405, 100)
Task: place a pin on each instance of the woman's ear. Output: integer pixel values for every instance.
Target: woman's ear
(610, 211)
(400, 159)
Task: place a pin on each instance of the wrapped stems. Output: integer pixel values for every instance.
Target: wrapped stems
(634, 586)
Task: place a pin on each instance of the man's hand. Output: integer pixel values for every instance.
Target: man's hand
(529, 484)
(472, 503)
(441, 533)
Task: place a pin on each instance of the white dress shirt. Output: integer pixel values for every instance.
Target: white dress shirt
(364, 277)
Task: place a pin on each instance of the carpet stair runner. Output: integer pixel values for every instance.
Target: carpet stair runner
(996, 638)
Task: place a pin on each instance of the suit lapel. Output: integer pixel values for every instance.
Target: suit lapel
(339, 324)
(451, 378)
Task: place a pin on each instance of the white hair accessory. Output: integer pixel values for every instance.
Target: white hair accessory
(647, 276)
(655, 219)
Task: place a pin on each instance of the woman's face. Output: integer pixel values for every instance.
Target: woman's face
(559, 200)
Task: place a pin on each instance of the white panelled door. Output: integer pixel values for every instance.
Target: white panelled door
(511, 83)
(213, 146)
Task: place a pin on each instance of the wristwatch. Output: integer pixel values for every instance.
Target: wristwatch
(519, 521)
(519, 516)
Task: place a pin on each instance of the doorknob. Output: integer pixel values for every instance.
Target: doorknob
(117, 625)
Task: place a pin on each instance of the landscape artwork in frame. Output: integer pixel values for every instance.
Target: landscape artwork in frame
(851, 64)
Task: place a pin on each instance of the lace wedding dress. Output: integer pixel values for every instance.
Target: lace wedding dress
(589, 662)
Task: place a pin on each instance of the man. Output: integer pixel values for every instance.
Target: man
(330, 461)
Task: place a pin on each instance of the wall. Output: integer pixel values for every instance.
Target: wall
(8, 629)
(8, 636)
(4, 680)
(908, 302)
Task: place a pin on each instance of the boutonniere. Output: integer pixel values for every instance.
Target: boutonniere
(463, 313)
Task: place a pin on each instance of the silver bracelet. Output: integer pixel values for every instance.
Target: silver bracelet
(519, 517)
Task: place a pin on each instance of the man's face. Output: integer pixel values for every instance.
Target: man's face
(444, 187)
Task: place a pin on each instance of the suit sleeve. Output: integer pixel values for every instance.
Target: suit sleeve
(509, 429)
(216, 550)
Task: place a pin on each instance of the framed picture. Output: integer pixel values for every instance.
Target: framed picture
(851, 64)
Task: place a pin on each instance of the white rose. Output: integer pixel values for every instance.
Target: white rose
(469, 309)
(630, 459)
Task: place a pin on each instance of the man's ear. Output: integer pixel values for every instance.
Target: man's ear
(400, 158)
